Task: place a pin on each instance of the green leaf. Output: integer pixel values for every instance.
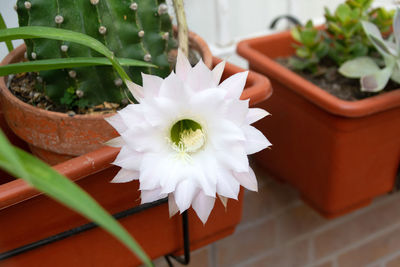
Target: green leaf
(4, 26)
(303, 52)
(374, 35)
(61, 63)
(302, 64)
(358, 67)
(358, 50)
(335, 28)
(308, 37)
(295, 34)
(396, 73)
(377, 81)
(396, 28)
(21, 164)
(322, 49)
(30, 32)
(343, 12)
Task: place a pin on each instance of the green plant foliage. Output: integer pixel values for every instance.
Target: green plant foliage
(62, 63)
(41, 176)
(310, 48)
(343, 34)
(372, 77)
(140, 30)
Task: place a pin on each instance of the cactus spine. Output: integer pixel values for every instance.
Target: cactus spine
(137, 29)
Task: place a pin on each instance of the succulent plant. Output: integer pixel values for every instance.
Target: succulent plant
(139, 29)
(310, 49)
(347, 37)
(372, 77)
(343, 37)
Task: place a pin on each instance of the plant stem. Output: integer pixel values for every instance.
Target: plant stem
(183, 40)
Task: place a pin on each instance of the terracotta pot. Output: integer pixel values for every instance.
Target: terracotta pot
(339, 154)
(28, 216)
(56, 137)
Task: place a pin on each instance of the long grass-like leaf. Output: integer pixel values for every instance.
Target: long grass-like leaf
(61, 63)
(30, 32)
(41, 176)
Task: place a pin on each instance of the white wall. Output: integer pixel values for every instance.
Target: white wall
(11, 19)
(240, 19)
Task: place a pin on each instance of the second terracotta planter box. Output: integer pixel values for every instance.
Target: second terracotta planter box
(339, 154)
(28, 216)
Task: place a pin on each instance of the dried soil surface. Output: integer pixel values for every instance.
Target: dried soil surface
(23, 86)
(330, 80)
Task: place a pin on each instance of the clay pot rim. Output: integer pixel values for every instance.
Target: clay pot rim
(313, 93)
(195, 41)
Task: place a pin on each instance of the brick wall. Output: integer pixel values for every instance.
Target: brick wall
(278, 229)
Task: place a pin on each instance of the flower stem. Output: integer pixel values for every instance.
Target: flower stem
(183, 40)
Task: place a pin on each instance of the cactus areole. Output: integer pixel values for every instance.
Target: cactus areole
(139, 29)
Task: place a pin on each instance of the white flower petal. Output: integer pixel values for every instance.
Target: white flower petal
(203, 205)
(212, 98)
(117, 123)
(224, 133)
(185, 193)
(172, 207)
(234, 85)
(255, 140)
(218, 71)
(136, 90)
(256, 114)
(149, 172)
(115, 142)
(152, 84)
(148, 196)
(234, 158)
(128, 159)
(124, 176)
(174, 89)
(247, 179)
(207, 185)
(183, 66)
(161, 110)
(132, 115)
(224, 200)
(200, 78)
(227, 185)
(146, 139)
(237, 111)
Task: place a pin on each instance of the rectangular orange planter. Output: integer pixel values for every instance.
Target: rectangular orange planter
(28, 216)
(338, 154)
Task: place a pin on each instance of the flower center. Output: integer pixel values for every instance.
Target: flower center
(187, 136)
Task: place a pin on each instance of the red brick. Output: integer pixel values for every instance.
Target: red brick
(395, 262)
(271, 197)
(246, 243)
(357, 228)
(297, 221)
(372, 251)
(294, 255)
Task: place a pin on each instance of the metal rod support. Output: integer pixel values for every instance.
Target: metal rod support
(186, 244)
(77, 230)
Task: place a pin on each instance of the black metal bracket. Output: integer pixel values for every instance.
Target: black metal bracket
(186, 244)
(290, 18)
(51, 239)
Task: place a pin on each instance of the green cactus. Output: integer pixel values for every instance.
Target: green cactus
(137, 29)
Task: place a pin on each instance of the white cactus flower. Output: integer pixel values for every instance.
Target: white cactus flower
(188, 138)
